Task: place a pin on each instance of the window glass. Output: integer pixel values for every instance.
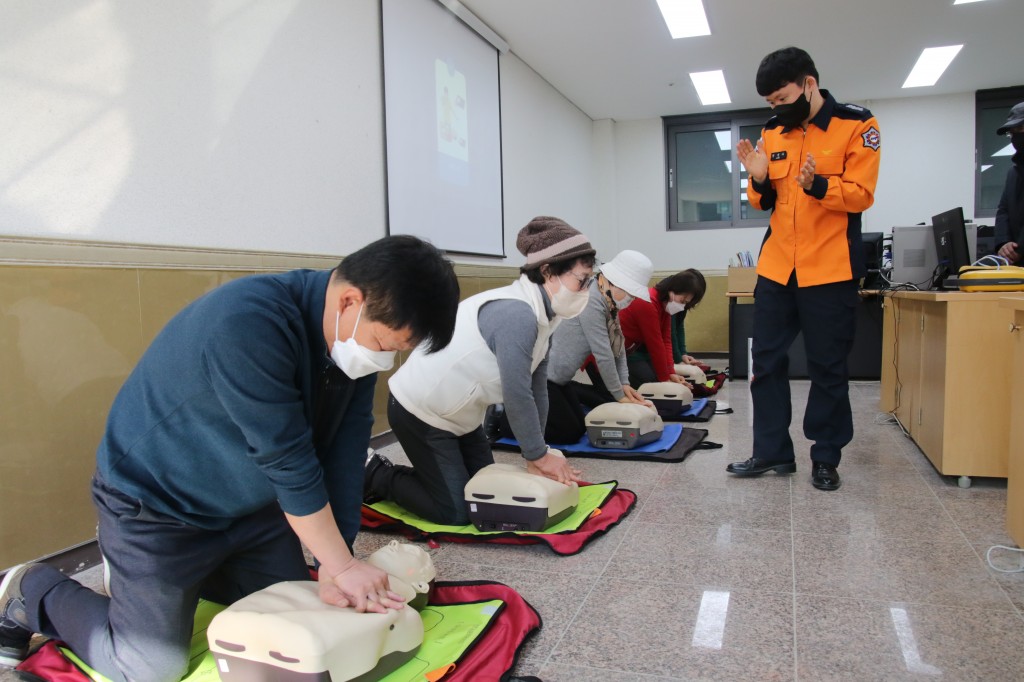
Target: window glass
(752, 133)
(706, 186)
(703, 176)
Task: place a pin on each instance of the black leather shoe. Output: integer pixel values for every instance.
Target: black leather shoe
(492, 422)
(374, 463)
(825, 477)
(756, 467)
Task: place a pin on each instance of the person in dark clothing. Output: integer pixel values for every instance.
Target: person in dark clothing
(1009, 229)
(241, 433)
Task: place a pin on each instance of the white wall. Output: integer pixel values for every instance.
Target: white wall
(259, 125)
(231, 124)
(547, 156)
(238, 124)
(927, 167)
(927, 160)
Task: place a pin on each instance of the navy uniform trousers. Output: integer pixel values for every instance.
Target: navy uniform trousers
(826, 314)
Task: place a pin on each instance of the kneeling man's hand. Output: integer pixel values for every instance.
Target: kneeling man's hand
(361, 586)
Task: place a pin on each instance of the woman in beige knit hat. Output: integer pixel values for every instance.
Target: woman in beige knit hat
(497, 355)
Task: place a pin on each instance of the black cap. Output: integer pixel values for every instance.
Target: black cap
(1015, 119)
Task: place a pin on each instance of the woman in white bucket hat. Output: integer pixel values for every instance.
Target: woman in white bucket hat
(595, 339)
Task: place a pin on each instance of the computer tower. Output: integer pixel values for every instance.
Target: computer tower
(913, 253)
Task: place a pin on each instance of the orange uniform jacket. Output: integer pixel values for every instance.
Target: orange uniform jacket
(817, 231)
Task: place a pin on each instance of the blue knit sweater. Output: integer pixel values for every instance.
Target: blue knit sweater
(216, 420)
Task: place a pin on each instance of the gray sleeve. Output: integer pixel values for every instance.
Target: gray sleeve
(594, 321)
(623, 368)
(509, 328)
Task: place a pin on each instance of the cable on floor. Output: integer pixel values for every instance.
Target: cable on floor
(988, 559)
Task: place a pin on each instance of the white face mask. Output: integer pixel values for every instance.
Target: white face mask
(359, 361)
(672, 307)
(569, 304)
(620, 304)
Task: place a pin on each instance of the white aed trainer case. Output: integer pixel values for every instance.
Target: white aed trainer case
(623, 426)
(504, 497)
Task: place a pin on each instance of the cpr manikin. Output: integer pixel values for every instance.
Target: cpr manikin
(623, 426)
(411, 564)
(285, 633)
(692, 373)
(669, 398)
(504, 497)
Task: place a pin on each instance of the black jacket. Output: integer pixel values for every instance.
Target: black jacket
(1010, 214)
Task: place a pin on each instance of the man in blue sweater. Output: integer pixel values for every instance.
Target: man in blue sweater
(242, 432)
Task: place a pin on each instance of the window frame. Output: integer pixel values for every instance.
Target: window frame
(989, 99)
(734, 120)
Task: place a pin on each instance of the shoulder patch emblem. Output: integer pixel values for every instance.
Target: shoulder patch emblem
(872, 138)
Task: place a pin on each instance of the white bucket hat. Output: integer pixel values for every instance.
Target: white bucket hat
(630, 271)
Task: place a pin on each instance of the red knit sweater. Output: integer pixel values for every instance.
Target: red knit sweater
(647, 325)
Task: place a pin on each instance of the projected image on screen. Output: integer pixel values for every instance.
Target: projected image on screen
(443, 124)
(452, 123)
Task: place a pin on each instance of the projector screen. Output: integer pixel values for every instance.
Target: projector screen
(443, 129)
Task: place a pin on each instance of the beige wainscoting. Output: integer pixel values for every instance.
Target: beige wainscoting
(76, 316)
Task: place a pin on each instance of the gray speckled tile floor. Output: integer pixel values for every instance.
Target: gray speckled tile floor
(718, 578)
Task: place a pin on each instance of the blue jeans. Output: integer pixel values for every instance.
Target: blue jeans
(159, 567)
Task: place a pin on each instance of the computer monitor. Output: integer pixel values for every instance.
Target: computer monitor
(950, 244)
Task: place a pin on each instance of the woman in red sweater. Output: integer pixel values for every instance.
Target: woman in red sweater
(645, 326)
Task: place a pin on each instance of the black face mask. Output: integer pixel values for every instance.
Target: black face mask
(795, 113)
(1017, 140)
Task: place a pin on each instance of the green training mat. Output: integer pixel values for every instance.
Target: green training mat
(591, 497)
(448, 632)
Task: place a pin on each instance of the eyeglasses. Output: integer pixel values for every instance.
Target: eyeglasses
(584, 281)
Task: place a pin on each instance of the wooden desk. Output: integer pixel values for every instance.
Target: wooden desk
(1015, 417)
(944, 375)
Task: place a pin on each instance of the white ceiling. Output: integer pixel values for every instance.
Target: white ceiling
(615, 58)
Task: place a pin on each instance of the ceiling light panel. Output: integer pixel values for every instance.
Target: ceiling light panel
(711, 87)
(930, 65)
(685, 18)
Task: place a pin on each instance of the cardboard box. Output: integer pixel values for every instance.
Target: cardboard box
(742, 280)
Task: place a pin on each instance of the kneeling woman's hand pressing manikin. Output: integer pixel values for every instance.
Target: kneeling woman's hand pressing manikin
(680, 380)
(553, 465)
(633, 396)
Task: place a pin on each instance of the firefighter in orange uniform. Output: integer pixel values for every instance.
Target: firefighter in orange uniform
(815, 169)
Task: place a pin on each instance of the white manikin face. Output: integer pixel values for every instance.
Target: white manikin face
(407, 562)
